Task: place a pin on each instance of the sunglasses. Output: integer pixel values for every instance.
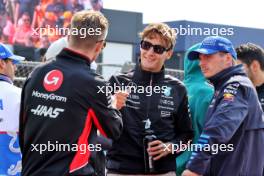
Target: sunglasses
(156, 48)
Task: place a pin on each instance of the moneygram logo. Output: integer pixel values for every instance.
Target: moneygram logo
(53, 80)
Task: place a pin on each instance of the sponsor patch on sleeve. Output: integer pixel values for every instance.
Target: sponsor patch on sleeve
(230, 91)
(228, 97)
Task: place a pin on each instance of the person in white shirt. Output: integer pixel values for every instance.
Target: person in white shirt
(10, 156)
(57, 46)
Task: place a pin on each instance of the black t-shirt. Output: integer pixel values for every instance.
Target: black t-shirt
(260, 91)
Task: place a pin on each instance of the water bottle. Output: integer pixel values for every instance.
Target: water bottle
(148, 160)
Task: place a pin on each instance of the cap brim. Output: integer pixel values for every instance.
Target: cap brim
(16, 59)
(194, 55)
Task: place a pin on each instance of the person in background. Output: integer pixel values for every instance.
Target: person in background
(233, 133)
(67, 19)
(10, 160)
(56, 47)
(42, 49)
(8, 31)
(49, 23)
(252, 58)
(200, 94)
(97, 4)
(25, 6)
(56, 6)
(3, 19)
(23, 31)
(74, 6)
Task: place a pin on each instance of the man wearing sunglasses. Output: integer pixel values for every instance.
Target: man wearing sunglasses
(164, 111)
(10, 156)
(234, 123)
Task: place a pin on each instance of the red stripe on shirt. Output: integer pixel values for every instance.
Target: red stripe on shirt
(82, 159)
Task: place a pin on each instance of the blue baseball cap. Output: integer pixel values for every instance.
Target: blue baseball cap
(5, 53)
(211, 45)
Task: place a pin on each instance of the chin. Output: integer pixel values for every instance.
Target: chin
(147, 68)
(207, 75)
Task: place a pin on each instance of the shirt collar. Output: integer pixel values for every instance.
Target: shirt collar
(5, 78)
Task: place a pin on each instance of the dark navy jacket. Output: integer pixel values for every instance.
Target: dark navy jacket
(234, 118)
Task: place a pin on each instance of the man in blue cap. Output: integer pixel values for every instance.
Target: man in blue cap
(233, 135)
(10, 156)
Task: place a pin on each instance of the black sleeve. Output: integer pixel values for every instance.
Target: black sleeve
(183, 123)
(108, 117)
(23, 106)
(22, 118)
(114, 84)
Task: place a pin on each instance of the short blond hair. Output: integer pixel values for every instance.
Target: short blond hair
(163, 30)
(91, 21)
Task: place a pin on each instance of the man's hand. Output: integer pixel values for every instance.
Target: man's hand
(189, 173)
(157, 149)
(119, 99)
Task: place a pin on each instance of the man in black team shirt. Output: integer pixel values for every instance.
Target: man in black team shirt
(160, 110)
(252, 58)
(62, 108)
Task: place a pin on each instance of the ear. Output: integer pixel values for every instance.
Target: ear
(2, 64)
(169, 54)
(255, 66)
(98, 47)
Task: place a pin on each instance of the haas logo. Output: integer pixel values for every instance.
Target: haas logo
(53, 80)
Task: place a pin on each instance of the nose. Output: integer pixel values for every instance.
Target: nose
(203, 64)
(202, 60)
(150, 51)
(15, 67)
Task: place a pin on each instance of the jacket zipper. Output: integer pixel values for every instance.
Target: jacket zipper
(149, 98)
